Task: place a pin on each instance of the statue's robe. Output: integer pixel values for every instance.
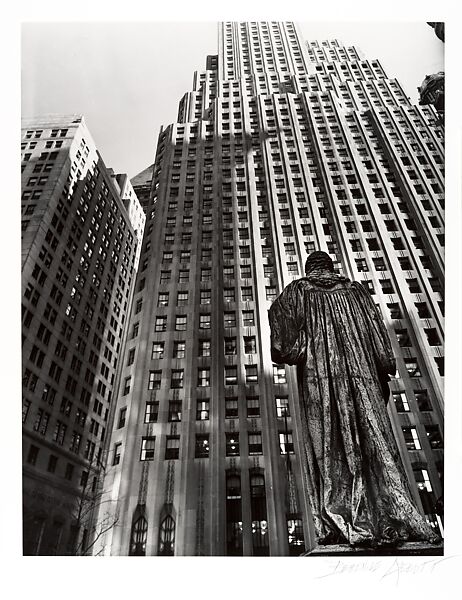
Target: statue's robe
(359, 493)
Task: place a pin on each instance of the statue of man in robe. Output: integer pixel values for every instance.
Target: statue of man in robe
(331, 329)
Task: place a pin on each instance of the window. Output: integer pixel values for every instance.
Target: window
(139, 537)
(411, 438)
(202, 409)
(52, 463)
(231, 375)
(412, 367)
(117, 452)
(157, 350)
(232, 444)
(229, 295)
(286, 443)
(432, 337)
(248, 318)
(434, 436)
(180, 323)
(167, 537)
(251, 374)
(253, 406)
(202, 445)
(203, 377)
(127, 384)
(122, 417)
(403, 338)
(247, 294)
(282, 406)
(231, 407)
(174, 410)
(206, 296)
(69, 472)
(255, 444)
(33, 454)
(250, 344)
(230, 345)
(147, 448)
(179, 349)
(162, 299)
(160, 324)
(151, 412)
(204, 321)
(423, 401)
(400, 401)
(176, 381)
(395, 311)
(182, 298)
(172, 447)
(279, 374)
(154, 381)
(230, 319)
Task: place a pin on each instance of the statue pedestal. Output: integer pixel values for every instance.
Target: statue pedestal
(407, 549)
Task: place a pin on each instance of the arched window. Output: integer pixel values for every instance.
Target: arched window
(139, 537)
(167, 537)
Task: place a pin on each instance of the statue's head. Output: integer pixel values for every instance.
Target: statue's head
(318, 261)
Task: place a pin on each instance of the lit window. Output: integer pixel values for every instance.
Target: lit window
(232, 444)
(231, 375)
(285, 442)
(203, 377)
(157, 350)
(204, 321)
(282, 406)
(154, 380)
(279, 374)
(179, 349)
(180, 323)
(411, 438)
(400, 401)
(147, 448)
(251, 374)
(202, 410)
(202, 446)
(151, 412)
(206, 296)
(204, 347)
(182, 298)
(160, 324)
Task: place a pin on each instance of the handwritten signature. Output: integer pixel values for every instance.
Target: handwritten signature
(384, 569)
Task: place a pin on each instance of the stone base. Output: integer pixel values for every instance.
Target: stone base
(407, 549)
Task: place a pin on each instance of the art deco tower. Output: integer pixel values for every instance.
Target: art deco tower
(280, 149)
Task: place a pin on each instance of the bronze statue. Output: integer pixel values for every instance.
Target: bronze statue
(331, 329)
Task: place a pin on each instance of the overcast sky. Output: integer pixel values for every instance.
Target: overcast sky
(127, 78)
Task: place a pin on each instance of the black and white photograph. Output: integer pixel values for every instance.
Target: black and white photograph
(232, 287)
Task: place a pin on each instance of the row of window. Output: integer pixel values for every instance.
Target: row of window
(202, 446)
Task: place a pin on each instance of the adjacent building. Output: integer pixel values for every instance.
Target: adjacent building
(280, 149)
(79, 246)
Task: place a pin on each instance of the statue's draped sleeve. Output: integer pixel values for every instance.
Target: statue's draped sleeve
(286, 317)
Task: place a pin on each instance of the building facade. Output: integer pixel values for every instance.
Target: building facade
(282, 148)
(78, 268)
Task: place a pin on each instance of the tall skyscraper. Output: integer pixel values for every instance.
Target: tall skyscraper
(281, 148)
(78, 266)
